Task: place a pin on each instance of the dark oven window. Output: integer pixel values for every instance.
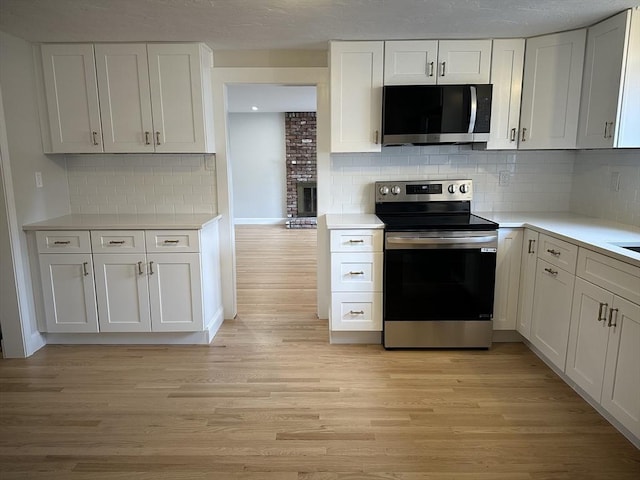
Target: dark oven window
(439, 284)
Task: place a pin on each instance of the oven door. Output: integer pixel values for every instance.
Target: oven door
(439, 276)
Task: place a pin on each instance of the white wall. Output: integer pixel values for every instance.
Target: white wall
(149, 183)
(258, 167)
(539, 181)
(592, 192)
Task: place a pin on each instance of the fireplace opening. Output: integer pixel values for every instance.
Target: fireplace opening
(307, 201)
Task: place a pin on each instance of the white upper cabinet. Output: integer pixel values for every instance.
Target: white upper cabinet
(356, 96)
(506, 76)
(125, 99)
(551, 90)
(428, 62)
(72, 98)
(153, 98)
(610, 108)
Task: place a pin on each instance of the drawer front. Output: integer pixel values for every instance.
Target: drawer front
(117, 241)
(356, 311)
(356, 240)
(558, 252)
(618, 277)
(173, 241)
(63, 242)
(356, 272)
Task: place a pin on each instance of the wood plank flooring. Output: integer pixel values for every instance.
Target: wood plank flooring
(270, 399)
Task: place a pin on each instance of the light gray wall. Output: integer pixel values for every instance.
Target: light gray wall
(257, 153)
(592, 192)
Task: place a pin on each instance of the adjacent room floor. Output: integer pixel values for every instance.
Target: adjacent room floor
(270, 399)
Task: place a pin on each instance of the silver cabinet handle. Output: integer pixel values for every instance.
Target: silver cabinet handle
(356, 312)
(94, 138)
(532, 242)
(62, 242)
(85, 271)
(376, 137)
(147, 141)
(512, 137)
(140, 272)
(157, 138)
(172, 241)
(474, 109)
(612, 321)
(150, 268)
(116, 242)
(553, 252)
(610, 130)
(431, 69)
(443, 69)
(606, 124)
(356, 273)
(524, 131)
(602, 318)
(356, 241)
(551, 272)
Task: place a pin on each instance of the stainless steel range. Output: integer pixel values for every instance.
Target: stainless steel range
(439, 265)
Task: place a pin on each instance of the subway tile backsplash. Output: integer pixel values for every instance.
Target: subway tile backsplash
(531, 181)
(142, 184)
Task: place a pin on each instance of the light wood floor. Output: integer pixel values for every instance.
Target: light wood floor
(270, 399)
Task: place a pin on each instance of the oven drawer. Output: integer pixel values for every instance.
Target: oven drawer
(354, 311)
(356, 240)
(558, 252)
(356, 272)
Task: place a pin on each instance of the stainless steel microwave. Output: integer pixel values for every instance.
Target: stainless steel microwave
(427, 114)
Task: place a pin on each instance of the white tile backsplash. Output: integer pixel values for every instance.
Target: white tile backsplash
(142, 184)
(538, 181)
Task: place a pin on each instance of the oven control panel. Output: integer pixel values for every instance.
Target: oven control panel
(423, 191)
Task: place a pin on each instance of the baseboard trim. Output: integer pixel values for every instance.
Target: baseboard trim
(259, 221)
(506, 336)
(338, 337)
(137, 338)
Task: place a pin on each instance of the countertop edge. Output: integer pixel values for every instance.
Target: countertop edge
(124, 222)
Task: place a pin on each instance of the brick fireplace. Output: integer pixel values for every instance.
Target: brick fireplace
(300, 143)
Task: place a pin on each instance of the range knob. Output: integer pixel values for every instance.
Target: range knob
(452, 188)
(384, 190)
(396, 189)
(464, 188)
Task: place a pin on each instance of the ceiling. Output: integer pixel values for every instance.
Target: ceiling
(293, 24)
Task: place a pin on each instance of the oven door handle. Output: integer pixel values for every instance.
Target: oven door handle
(440, 240)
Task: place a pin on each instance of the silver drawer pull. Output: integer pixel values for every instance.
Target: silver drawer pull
(358, 312)
(172, 241)
(551, 272)
(356, 273)
(602, 318)
(356, 241)
(61, 242)
(553, 252)
(116, 242)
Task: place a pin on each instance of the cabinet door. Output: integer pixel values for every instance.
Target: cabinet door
(125, 99)
(588, 337)
(527, 282)
(464, 61)
(621, 389)
(505, 305)
(506, 76)
(175, 292)
(69, 293)
(602, 87)
(71, 90)
(410, 62)
(551, 90)
(175, 77)
(552, 312)
(123, 293)
(356, 96)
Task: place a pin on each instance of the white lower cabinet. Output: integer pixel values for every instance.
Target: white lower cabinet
(527, 281)
(505, 305)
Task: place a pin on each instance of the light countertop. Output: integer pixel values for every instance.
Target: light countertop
(353, 220)
(125, 221)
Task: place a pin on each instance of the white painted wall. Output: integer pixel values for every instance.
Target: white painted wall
(258, 165)
(17, 80)
(592, 192)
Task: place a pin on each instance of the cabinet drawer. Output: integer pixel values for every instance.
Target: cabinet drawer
(356, 240)
(356, 311)
(63, 242)
(618, 277)
(558, 252)
(173, 241)
(356, 272)
(117, 241)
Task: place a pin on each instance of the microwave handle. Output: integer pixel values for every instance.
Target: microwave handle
(474, 109)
